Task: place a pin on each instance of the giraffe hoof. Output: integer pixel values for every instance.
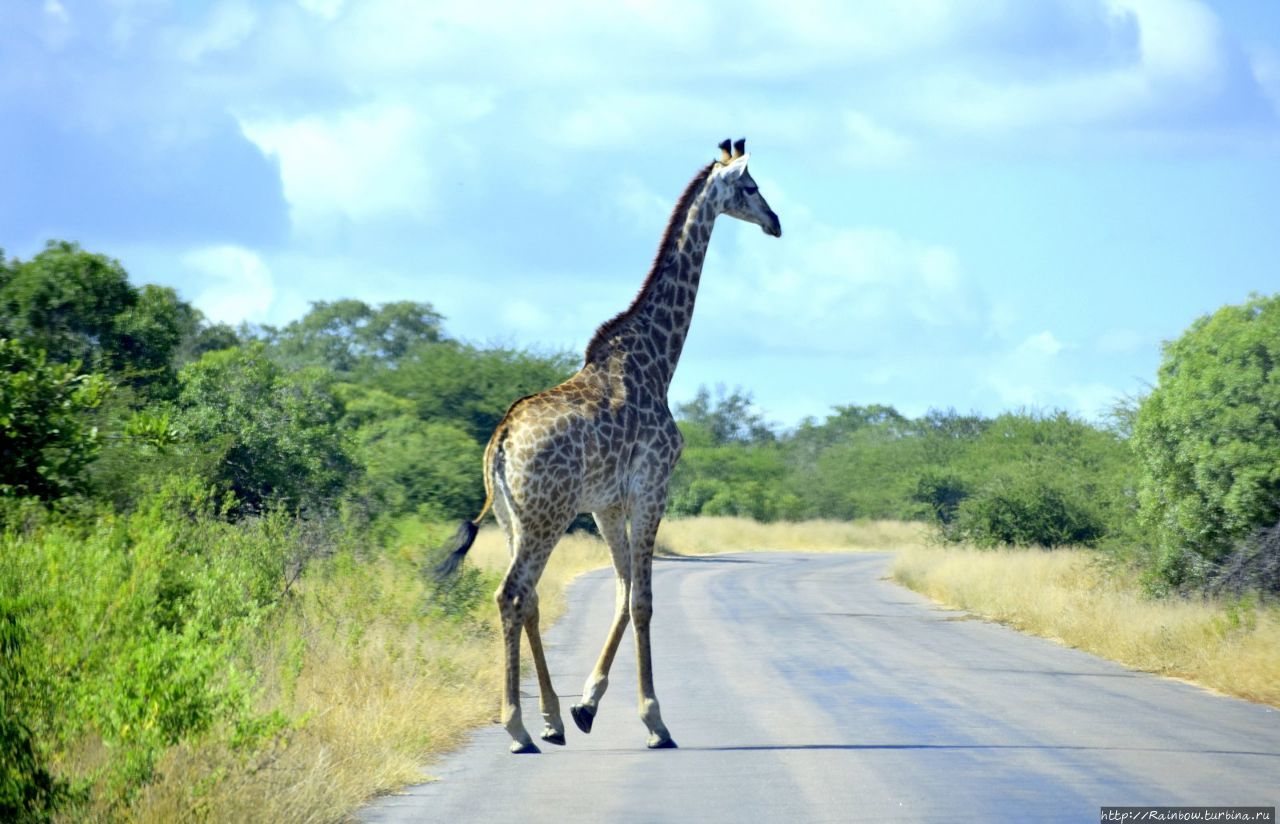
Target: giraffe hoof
(661, 742)
(553, 736)
(525, 748)
(584, 716)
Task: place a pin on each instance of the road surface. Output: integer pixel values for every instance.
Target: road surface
(809, 688)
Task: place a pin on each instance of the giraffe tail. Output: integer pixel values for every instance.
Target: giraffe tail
(457, 549)
(462, 540)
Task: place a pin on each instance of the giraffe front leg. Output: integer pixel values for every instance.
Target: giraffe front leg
(644, 530)
(613, 526)
(549, 702)
(510, 608)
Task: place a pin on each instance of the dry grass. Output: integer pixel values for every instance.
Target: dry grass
(709, 536)
(1066, 596)
(575, 554)
(380, 689)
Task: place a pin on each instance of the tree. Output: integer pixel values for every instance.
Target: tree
(417, 466)
(46, 440)
(347, 333)
(1208, 437)
(78, 306)
(730, 418)
(266, 436)
(470, 387)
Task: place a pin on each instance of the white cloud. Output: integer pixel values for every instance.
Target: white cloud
(871, 143)
(325, 9)
(1042, 372)
(361, 164)
(226, 27)
(1122, 342)
(837, 289)
(1265, 64)
(56, 11)
(235, 284)
(1041, 344)
(526, 317)
(1178, 66)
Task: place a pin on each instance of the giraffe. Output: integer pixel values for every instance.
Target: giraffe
(604, 442)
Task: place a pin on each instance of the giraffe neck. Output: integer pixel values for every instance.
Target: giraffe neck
(664, 309)
(649, 336)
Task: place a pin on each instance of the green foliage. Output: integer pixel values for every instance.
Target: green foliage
(262, 434)
(415, 466)
(29, 792)
(730, 419)
(136, 629)
(468, 387)
(1208, 437)
(1020, 478)
(79, 307)
(346, 334)
(1026, 509)
(45, 436)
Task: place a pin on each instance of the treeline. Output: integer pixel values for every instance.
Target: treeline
(111, 390)
(1018, 478)
(1182, 484)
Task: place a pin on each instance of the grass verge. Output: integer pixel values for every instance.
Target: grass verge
(709, 536)
(1065, 595)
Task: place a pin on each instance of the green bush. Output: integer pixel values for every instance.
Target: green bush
(1026, 510)
(1208, 437)
(46, 439)
(29, 792)
(266, 436)
(433, 469)
(136, 630)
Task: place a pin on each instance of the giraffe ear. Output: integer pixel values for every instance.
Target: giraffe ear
(725, 157)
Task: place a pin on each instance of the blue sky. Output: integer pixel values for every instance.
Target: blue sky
(986, 204)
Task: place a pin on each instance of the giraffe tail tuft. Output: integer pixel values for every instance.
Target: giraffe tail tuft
(457, 549)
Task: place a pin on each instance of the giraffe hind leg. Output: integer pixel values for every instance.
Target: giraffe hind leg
(549, 702)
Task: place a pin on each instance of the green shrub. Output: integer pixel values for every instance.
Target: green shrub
(1208, 437)
(137, 629)
(265, 436)
(46, 438)
(1025, 510)
(29, 792)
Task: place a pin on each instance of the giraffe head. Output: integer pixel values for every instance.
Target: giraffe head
(732, 188)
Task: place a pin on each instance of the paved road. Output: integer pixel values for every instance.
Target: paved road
(807, 688)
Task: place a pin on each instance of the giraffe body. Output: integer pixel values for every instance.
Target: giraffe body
(605, 442)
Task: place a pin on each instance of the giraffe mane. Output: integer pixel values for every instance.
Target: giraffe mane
(611, 327)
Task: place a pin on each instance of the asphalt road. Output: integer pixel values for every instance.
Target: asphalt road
(808, 688)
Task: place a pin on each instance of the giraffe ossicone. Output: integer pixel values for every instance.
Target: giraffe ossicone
(604, 442)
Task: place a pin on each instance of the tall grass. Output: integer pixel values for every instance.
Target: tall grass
(1233, 647)
(377, 682)
(711, 535)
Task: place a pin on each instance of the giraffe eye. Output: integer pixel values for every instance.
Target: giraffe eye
(749, 190)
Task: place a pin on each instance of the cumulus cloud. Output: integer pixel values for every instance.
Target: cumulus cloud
(234, 283)
(227, 26)
(1040, 371)
(363, 163)
(831, 289)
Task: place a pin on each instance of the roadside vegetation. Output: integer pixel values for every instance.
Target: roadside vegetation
(213, 540)
(1230, 645)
